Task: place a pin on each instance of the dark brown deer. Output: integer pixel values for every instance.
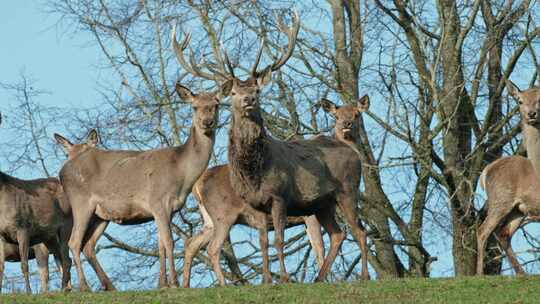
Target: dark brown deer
(221, 208)
(33, 212)
(134, 187)
(512, 183)
(293, 178)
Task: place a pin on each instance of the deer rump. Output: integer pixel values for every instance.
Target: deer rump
(27, 204)
(121, 183)
(307, 174)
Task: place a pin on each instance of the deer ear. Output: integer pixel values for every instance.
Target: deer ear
(363, 104)
(92, 138)
(328, 106)
(66, 144)
(264, 77)
(184, 93)
(512, 89)
(226, 88)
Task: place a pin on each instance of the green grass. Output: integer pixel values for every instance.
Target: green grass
(464, 290)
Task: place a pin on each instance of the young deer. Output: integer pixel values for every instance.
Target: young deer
(134, 187)
(294, 178)
(512, 183)
(221, 208)
(33, 212)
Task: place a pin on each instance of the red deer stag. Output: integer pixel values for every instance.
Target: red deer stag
(221, 208)
(512, 183)
(134, 187)
(33, 212)
(294, 178)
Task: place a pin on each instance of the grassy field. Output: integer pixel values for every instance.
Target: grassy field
(464, 290)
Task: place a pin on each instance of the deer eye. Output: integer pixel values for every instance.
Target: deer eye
(233, 93)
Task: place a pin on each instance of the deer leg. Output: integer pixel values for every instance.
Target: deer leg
(81, 219)
(348, 205)
(24, 240)
(89, 250)
(504, 236)
(327, 219)
(313, 230)
(279, 217)
(214, 251)
(262, 226)
(61, 255)
(492, 220)
(42, 260)
(165, 237)
(192, 246)
(163, 281)
(2, 262)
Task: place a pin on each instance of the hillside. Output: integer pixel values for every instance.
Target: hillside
(465, 290)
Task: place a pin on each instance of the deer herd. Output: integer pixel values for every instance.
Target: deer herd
(268, 184)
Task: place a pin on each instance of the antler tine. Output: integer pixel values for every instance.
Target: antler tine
(228, 62)
(292, 34)
(190, 67)
(258, 58)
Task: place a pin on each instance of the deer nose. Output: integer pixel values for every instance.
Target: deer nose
(347, 124)
(532, 115)
(248, 101)
(208, 123)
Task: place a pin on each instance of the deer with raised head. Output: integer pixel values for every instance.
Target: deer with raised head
(134, 187)
(512, 183)
(291, 178)
(33, 212)
(221, 208)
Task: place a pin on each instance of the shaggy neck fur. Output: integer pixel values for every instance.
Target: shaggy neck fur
(247, 152)
(532, 143)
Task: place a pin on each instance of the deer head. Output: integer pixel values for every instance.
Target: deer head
(346, 116)
(73, 150)
(245, 93)
(529, 103)
(205, 107)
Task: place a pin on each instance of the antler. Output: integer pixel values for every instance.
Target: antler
(292, 34)
(192, 66)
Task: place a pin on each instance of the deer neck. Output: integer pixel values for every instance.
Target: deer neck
(352, 141)
(248, 146)
(531, 135)
(199, 147)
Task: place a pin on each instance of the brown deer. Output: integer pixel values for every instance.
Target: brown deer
(512, 183)
(33, 212)
(97, 226)
(221, 208)
(134, 187)
(291, 178)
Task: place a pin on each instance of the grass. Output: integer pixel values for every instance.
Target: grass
(498, 289)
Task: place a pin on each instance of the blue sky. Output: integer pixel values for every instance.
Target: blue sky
(61, 63)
